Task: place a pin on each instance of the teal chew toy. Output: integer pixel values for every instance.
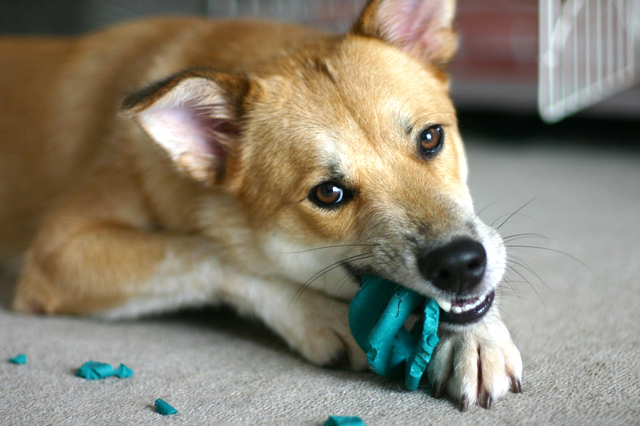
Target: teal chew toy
(377, 315)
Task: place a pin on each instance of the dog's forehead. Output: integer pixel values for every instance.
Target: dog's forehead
(369, 67)
(365, 96)
(363, 91)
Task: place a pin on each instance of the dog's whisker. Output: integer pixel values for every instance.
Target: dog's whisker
(514, 270)
(515, 294)
(551, 250)
(511, 282)
(329, 268)
(341, 284)
(329, 247)
(525, 235)
(523, 264)
(508, 216)
(484, 208)
(509, 289)
(512, 214)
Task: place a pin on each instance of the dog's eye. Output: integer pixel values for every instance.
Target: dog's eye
(431, 140)
(328, 195)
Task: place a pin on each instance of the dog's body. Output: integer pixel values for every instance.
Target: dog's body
(267, 168)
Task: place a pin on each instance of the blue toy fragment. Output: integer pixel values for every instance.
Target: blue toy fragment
(19, 359)
(123, 371)
(164, 408)
(344, 421)
(92, 370)
(377, 316)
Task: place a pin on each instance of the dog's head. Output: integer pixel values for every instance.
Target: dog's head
(343, 153)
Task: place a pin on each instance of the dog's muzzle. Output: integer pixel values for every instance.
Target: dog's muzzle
(458, 268)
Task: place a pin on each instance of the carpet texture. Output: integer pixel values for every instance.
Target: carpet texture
(570, 301)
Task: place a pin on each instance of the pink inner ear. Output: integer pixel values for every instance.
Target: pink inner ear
(189, 130)
(414, 24)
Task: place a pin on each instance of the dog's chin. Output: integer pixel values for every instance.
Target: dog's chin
(467, 312)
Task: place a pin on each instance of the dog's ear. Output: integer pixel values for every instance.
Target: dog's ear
(195, 116)
(422, 28)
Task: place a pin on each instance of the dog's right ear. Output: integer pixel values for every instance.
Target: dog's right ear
(195, 116)
(422, 28)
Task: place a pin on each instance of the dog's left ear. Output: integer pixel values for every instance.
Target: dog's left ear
(195, 116)
(422, 28)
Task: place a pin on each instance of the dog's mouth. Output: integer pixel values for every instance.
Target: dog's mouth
(465, 311)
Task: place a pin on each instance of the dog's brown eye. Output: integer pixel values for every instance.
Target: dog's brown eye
(431, 140)
(329, 195)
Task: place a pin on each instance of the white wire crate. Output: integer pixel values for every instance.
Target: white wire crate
(589, 50)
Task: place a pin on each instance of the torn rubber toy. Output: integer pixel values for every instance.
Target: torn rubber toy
(344, 421)
(377, 317)
(19, 359)
(163, 407)
(92, 370)
(123, 372)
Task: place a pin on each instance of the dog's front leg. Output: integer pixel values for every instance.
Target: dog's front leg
(311, 322)
(115, 272)
(102, 268)
(477, 363)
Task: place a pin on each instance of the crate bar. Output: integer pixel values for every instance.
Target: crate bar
(568, 55)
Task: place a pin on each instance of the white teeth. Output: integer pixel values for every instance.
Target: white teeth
(445, 305)
(470, 306)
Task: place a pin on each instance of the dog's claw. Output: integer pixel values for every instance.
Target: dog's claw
(516, 384)
(438, 389)
(464, 404)
(485, 400)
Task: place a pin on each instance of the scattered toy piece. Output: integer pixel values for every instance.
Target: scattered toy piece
(344, 421)
(164, 408)
(19, 359)
(377, 315)
(123, 371)
(93, 370)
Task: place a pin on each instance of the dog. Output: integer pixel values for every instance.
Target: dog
(177, 162)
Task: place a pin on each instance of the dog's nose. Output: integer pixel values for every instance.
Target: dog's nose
(455, 267)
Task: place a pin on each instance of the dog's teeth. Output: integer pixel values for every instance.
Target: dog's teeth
(473, 304)
(445, 305)
(479, 301)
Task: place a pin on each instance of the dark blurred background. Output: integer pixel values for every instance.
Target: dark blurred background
(494, 73)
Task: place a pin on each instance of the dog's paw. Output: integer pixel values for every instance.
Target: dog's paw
(319, 330)
(477, 365)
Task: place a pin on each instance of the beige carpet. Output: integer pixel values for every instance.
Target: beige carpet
(576, 324)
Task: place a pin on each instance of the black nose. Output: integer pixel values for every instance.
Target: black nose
(455, 267)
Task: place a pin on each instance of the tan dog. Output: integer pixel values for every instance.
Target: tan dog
(267, 167)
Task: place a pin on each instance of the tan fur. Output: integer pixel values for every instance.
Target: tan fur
(115, 223)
